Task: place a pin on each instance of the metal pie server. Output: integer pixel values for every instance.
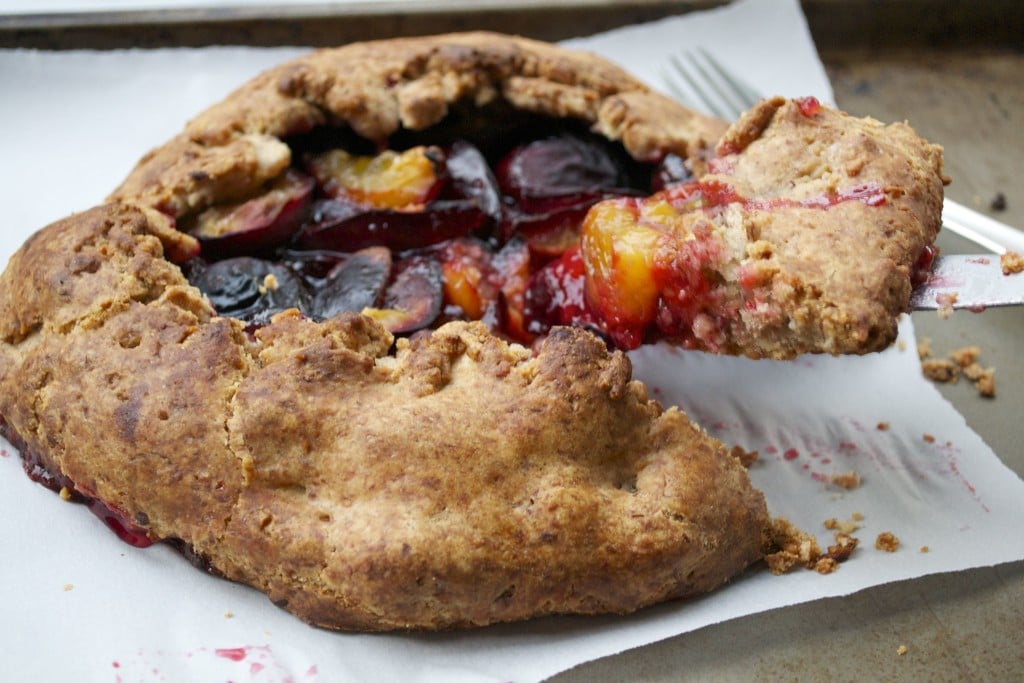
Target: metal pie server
(974, 282)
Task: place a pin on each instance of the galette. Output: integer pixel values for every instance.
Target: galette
(356, 336)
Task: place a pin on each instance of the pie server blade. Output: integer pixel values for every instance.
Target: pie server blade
(974, 282)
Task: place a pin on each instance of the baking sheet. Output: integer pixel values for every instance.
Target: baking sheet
(79, 604)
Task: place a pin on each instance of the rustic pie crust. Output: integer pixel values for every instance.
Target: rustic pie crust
(362, 481)
(448, 480)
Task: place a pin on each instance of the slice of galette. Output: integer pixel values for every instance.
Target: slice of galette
(192, 359)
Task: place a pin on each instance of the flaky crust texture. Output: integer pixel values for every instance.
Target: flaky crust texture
(455, 481)
(378, 88)
(828, 277)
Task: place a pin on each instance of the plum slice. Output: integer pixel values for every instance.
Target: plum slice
(412, 301)
(342, 226)
(549, 185)
(249, 288)
(558, 171)
(257, 226)
(356, 283)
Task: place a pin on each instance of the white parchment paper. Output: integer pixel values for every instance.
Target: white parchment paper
(77, 604)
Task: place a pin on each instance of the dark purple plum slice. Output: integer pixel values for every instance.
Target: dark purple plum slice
(356, 283)
(339, 225)
(548, 174)
(472, 178)
(248, 288)
(413, 299)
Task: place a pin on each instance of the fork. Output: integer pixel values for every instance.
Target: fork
(699, 80)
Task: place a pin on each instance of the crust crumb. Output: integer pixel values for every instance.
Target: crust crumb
(846, 480)
(962, 361)
(901, 650)
(65, 493)
(925, 549)
(924, 348)
(746, 458)
(68, 587)
(940, 370)
(946, 302)
(965, 356)
(929, 438)
(1011, 263)
(887, 541)
(882, 426)
(791, 546)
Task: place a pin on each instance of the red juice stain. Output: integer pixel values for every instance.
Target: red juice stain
(791, 454)
(235, 654)
(771, 449)
(847, 446)
(826, 461)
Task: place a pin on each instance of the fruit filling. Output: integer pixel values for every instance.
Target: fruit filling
(418, 236)
(554, 226)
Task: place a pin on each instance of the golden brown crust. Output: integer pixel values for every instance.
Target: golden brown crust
(377, 88)
(459, 482)
(824, 275)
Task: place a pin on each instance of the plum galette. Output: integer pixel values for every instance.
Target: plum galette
(346, 337)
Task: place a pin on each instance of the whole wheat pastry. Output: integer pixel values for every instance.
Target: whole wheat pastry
(444, 479)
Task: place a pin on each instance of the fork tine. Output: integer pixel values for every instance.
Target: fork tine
(701, 86)
(715, 89)
(745, 94)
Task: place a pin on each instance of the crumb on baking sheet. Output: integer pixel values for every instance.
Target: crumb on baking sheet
(1011, 263)
(986, 383)
(924, 348)
(925, 549)
(857, 517)
(965, 356)
(887, 541)
(961, 362)
(882, 426)
(940, 370)
(846, 480)
(746, 458)
(68, 587)
(929, 438)
(901, 650)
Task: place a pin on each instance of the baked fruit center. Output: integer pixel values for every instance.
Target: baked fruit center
(422, 235)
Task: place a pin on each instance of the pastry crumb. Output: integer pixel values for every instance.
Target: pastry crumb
(882, 426)
(965, 356)
(946, 302)
(929, 438)
(792, 546)
(229, 615)
(924, 348)
(826, 565)
(846, 480)
(940, 370)
(901, 650)
(887, 541)
(844, 546)
(925, 549)
(986, 383)
(857, 517)
(901, 345)
(746, 458)
(68, 586)
(65, 493)
(1011, 263)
